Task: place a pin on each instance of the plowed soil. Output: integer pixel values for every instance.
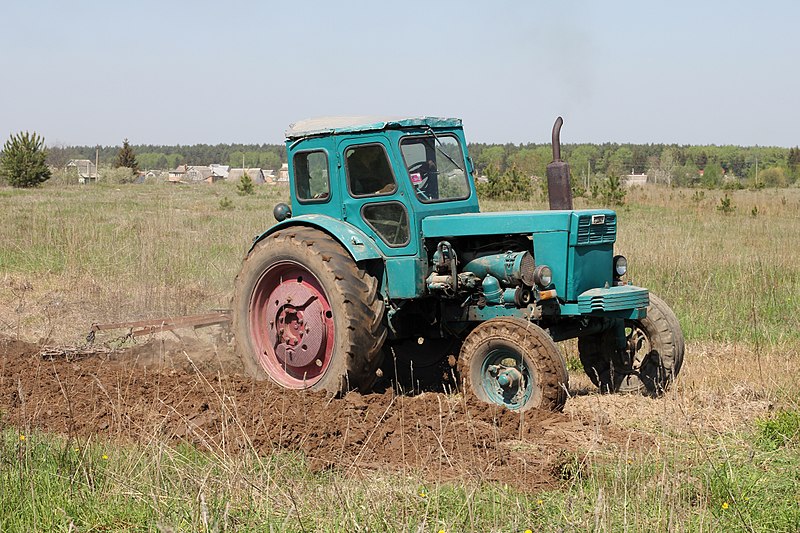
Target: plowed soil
(181, 391)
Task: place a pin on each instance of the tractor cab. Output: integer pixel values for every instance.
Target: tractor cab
(384, 176)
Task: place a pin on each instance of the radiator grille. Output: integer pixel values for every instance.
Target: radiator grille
(589, 233)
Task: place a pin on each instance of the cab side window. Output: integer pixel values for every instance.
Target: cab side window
(311, 176)
(369, 172)
(389, 220)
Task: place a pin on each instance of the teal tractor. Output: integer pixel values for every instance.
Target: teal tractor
(385, 268)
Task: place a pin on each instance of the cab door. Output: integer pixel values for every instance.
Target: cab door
(374, 198)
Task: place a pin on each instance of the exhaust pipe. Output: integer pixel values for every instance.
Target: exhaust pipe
(559, 191)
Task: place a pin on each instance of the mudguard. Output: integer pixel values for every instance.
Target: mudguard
(355, 241)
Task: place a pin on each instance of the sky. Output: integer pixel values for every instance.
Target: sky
(187, 72)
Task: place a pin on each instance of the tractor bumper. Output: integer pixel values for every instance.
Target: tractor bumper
(623, 301)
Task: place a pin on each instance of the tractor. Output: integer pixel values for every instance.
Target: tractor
(384, 266)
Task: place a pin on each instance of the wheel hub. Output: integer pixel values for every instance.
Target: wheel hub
(296, 326)
(504, 380)
(507, 378)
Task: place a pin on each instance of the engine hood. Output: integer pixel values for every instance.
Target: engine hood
(503, 223)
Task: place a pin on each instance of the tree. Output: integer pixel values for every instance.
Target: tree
(712, 175)
(23, 160)
(531, 161)
(492, 157)
(793, 162)
(619, 163)
(773, 177)
(511, 185)
(612, 191)
(126, 157)
(662, 169)
(246, 185)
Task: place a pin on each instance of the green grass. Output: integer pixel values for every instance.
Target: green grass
(51, 484)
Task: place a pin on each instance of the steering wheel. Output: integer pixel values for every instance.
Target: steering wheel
(417, 166)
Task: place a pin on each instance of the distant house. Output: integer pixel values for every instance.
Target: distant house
(256, 174)
(634, 179)
(198, 173)
(220, 171)
(283, 174)
(87, 171)
(153, 175)
(177, 174)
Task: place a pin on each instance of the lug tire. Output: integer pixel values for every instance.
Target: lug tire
(332, 343)
(658, 352)
(522, 350)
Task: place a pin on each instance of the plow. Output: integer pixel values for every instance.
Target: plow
(152, 326)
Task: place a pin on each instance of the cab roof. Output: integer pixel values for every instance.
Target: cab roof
(359, 124)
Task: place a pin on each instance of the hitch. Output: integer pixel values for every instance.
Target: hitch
(157, 325)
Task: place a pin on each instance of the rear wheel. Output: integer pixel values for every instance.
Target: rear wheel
(650, 360)
(512, 362)
(305, 315)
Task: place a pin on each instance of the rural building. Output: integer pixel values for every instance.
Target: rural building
(220, 171)
(283, 174)
(634, 179)
(87, 171)
(198, 173)
(176, 175)
(256, 174)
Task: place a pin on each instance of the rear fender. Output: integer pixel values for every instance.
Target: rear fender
(358, 245)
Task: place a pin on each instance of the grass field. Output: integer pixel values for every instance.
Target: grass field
(726, 438)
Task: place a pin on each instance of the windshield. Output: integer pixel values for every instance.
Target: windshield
(435, 165)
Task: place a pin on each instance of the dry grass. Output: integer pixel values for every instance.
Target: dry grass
(74, 256)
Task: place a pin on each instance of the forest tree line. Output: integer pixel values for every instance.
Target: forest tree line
(678, 165)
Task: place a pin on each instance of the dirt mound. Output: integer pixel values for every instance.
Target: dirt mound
(170, 396)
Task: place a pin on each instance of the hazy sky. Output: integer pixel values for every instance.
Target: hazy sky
(186, 72)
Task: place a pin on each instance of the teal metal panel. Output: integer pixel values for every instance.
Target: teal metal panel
(346, 125)
(589, 267)
(613, 299)
(473, 313)
(630, 314)
(331, 206)
(503, 223)
(351, 206)
(354, 240)
(551, 249)
(405, 277)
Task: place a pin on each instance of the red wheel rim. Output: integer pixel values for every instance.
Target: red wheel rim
(291, 325)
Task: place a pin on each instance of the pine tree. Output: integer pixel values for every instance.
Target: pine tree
(23, 161)
(126, 157)
(246, 185)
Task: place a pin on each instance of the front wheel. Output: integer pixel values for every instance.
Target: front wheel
(512, 362)
(648, 362)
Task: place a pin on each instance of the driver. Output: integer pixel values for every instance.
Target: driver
(369, 172)
(423, 177)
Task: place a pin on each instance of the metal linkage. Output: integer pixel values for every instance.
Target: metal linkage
(157, 325)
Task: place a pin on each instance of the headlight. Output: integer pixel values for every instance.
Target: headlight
(543, 276)
(620, 266)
